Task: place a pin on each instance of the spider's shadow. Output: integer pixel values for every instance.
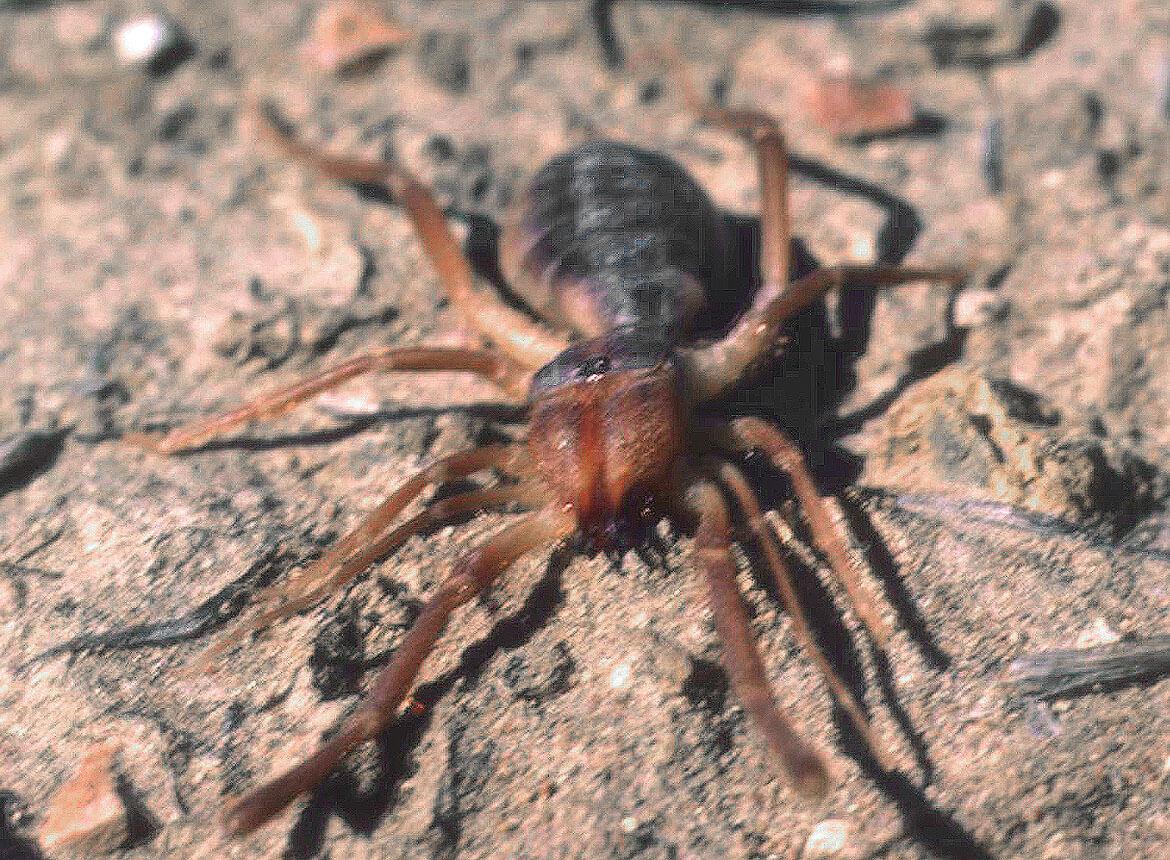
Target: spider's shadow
(817, 369)
(971, 46)
(601, 15)
(13, 845)
(931, 826)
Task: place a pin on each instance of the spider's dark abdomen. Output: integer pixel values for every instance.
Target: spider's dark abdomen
(609, 236)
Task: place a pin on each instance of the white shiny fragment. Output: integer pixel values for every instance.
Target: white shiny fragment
(827, 839)
(143, 39)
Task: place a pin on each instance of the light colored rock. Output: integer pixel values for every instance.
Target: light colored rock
(978, 307)
(828, 839)
(1096, 634)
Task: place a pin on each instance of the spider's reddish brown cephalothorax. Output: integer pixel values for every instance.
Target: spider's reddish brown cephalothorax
(621, 248)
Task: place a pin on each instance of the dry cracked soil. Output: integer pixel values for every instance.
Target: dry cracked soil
(158, 263)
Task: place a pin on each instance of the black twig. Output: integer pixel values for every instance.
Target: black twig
(211, 614)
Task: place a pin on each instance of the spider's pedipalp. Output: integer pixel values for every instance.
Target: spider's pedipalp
(719, 365)
(493, 367)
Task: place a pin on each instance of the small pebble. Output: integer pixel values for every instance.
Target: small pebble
(620, 676)
(87, 815)
(152, 41)
(141, 39)
(349, 34)
(861, 248)
(827, 839)
(1097, 633)
(148, 41)
(974, 308)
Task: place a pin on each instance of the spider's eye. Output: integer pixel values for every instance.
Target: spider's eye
(586, 360)
(594, 366)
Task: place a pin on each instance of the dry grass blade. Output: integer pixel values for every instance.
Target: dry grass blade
(1072, 671)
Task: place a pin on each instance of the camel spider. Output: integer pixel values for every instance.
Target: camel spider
(621, 252)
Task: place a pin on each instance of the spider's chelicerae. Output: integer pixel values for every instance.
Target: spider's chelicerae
(621, 248)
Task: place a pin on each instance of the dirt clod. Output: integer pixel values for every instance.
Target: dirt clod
(962, 432)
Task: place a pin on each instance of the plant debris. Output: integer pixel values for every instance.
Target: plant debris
(210, 615)
(1065, 672)
(87, 814)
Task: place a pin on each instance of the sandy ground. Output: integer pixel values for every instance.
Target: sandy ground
(157, 264)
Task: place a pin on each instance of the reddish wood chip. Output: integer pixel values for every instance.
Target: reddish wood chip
(350, 32)
(847, 107)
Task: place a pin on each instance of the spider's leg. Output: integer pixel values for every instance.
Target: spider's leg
(472, 573)
(523, 340)
(802, 292)
(483, 363)
(370, 541)
(719, 365)
(805, 767)
(749, 434)
(322, 578)
(734, 479)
